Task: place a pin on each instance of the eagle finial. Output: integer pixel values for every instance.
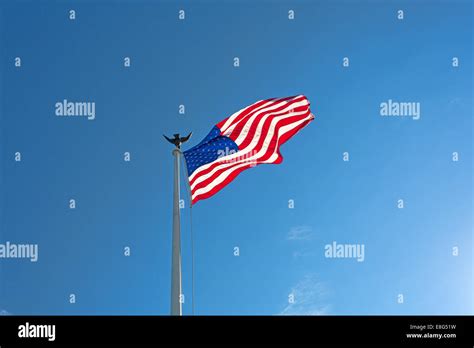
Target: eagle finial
(177, 140)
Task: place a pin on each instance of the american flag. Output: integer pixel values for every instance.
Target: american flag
(249, 137)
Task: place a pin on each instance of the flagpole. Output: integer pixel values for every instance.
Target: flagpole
(176, 285)
(176, 305)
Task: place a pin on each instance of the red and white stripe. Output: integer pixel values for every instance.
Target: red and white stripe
(258, 130)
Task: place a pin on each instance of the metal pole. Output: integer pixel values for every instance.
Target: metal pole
(176, 305)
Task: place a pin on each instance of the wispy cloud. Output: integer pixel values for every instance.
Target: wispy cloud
(303, 232)
(309, 298)
(4, 312)
(302, 253)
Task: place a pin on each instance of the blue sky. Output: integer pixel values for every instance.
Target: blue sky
(407, 251)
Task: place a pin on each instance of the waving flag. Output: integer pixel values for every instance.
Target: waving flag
(249, 137)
